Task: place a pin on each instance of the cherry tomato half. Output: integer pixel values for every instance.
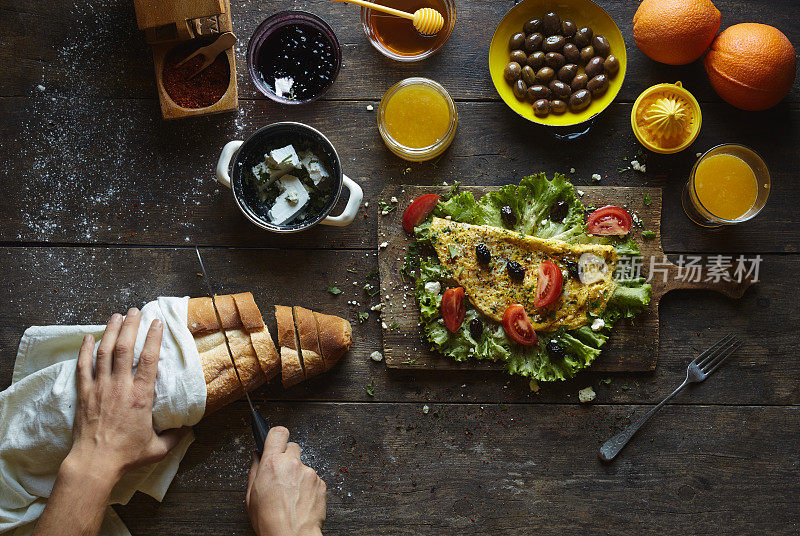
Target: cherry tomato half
(518, 326)
(609, 220)
(418, 210)
(453, 308)
(549, 284)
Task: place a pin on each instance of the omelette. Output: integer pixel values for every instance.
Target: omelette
(491, 290)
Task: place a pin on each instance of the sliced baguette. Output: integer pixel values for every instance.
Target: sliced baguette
(335, 338)
(266, 352)
(292, 371)
(307, 336)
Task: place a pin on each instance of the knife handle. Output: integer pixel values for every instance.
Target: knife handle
(260, 430)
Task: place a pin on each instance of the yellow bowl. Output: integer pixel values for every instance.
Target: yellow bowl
(583, 13)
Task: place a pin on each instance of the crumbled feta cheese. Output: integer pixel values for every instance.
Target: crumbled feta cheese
(572, 170)
(425, 409)
(370, 107)
(580, 192)
(283, 86)
(383, 245)
(598, 324)
(376, 356)
(433, 286)
(596, 177)
(637, 166)
(384, 326)
(376, 307)
(698, 155)
(290, 202)
(393, 199)
(586, 395)
(283, 158)
(40, 87)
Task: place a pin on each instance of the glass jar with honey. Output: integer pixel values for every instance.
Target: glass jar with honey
(417, 119)
(396, 37)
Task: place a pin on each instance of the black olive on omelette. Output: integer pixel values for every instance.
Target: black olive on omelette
(490, 288)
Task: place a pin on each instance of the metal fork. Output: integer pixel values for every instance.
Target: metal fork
(699, 369)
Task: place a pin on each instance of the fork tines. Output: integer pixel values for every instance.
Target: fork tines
(712, 358)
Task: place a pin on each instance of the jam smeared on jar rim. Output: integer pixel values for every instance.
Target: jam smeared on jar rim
(297, 62)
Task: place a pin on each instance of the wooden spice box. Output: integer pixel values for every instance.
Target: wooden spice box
(171, 23)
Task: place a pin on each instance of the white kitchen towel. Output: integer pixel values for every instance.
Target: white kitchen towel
(38, 409)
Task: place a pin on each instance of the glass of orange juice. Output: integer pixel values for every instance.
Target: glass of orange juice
(729, 184)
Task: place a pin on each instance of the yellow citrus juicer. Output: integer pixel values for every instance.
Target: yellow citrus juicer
(666, 118)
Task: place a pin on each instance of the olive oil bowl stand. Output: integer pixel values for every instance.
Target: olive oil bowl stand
(171, 23)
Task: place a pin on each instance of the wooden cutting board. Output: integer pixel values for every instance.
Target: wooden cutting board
(633, 346)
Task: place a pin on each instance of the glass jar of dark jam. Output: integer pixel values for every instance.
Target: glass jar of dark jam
(293, 57)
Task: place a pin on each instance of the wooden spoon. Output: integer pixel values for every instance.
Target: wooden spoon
(427, 20)
(210, 52)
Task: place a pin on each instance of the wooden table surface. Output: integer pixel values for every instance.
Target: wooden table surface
(103, 200)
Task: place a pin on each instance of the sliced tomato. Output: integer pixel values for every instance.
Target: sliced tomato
(518, 326)
(609, 220)
(418, 210)
(453, 308)
(549, 284)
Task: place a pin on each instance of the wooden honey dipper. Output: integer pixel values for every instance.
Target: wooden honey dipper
(427, 20)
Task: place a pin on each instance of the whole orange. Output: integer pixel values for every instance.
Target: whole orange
(675, 32)
(751, 66)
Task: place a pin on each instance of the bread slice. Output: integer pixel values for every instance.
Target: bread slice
(292, 371)
(247, 309)
(335, 338)
(222, 384)
(266, 352)
(202, 318)
(308, 337)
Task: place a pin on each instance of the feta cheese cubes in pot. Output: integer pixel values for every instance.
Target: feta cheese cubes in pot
(289, 182)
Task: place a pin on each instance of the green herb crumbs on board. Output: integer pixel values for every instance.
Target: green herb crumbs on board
(372, 290)
(412, 260)
(648, 200)
(648, 234)
(409, 361)
(370, 389)
(363, 317)
(352, 270)
(385, 207)
(334, 290)
(606, 381)
(393, 325)
(372, 273)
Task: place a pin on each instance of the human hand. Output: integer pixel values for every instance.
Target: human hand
(113, 430)
(284, 497)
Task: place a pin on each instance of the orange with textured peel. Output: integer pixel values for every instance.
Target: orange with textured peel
(675, 32)
(752, 66)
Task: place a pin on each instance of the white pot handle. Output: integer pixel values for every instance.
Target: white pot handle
(224, 162)
(351, 210)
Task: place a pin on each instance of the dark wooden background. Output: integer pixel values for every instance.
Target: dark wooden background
(102, 201)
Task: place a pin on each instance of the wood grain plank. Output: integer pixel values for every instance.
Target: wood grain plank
(472, 469)
(68, 285)
(106, 171)
(634, 346)
(95, 49)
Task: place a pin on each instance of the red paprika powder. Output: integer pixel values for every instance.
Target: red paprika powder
(206, 88)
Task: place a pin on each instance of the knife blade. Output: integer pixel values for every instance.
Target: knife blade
(257, 421)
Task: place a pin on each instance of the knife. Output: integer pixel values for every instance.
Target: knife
(257, 421)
